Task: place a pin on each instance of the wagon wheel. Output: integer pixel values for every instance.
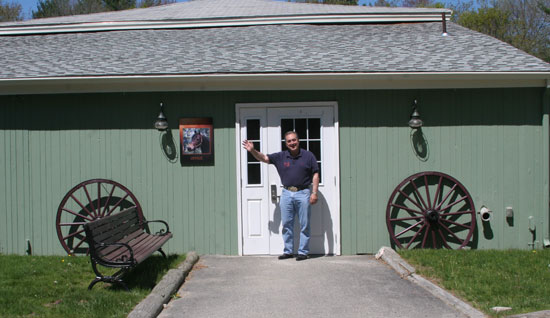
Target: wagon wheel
(430, 210)
(86, 202)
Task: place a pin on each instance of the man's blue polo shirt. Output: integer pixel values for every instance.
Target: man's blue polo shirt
(295, 171)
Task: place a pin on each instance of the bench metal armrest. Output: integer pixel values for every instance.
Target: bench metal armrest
(162, 231)
(123, 259)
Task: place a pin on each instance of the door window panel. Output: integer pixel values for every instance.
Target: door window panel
(300, 126)
(254, 174)
(314, 130)
(309, 132)
(315, 147)
(253, 129)
(253, 165)
(286, 125)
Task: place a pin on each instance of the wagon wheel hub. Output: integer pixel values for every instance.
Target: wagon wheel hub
(432, 216)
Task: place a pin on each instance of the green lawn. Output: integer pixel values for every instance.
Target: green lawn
(489, 278)
(56, 286)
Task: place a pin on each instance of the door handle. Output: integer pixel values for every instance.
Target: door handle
(274, 195)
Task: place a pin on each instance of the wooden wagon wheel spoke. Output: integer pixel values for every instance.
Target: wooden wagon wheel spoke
(457, 213)
(451, 232)
(82, 206)
(82, 240)
(425, 236)
(453, 204)
(406, 208)
(430, 210)
(117, 204)
(108, 200)
(445, 198)
(438, 190)
(98, 198)
(406, 219)
(412, 200)
(414, 237)
(76, 214)
(427, 192)
(90, 201)
(434, 244)
(443, 240)
(104, 197)
(455, 223)
(408, 229)
(74, 234)
(418, 195)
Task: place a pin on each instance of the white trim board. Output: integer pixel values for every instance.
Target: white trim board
(276, 81)
(97, 26)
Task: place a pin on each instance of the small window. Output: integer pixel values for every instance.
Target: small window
(254, 171)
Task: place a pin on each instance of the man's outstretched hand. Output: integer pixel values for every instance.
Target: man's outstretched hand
(248, 145)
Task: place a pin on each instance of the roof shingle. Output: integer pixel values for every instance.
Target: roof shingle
(261, 49)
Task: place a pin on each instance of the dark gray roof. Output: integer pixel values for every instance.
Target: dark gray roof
(262, 49)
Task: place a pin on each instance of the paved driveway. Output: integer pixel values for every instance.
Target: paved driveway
(338, 286)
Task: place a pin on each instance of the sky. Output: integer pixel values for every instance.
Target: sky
(30, 5)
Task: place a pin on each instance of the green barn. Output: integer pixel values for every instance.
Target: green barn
(427, 134)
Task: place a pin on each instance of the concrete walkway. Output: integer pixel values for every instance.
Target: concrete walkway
(339, 286)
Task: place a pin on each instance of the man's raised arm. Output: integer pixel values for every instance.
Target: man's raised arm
(249, 146)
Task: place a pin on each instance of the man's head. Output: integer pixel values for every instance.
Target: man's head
(292, 142)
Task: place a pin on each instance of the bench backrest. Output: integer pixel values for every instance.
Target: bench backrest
(112, 228)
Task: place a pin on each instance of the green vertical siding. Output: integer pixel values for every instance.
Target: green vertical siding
(495, 141)
(492, 141)
(59, 141)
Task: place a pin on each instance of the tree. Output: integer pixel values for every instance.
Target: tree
(116, 5)
(152, 3)
(417, 3)
(89, 6)
(524, 24)
(345, 2)
(52, 8)
(408, 3)
(384, 3)
(10, 11)
(492, 21)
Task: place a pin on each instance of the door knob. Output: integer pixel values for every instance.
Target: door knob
(274, 195)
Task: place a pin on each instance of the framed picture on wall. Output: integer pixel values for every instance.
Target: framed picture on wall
(196, 141)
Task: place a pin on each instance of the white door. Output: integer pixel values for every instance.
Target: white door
(261, 187)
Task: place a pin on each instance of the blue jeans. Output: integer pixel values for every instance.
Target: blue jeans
(293, 203)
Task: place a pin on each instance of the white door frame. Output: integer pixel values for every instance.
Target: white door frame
(238, 143)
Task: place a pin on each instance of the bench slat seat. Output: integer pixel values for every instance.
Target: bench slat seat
(120, 241)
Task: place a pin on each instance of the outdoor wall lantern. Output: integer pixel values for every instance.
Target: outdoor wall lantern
(415, 121)
(161, 123)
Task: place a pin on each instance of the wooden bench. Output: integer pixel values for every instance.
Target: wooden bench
(121, 241)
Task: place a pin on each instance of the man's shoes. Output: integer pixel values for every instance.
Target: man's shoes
(301, 257)
(285, 256)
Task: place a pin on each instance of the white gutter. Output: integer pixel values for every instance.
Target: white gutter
(23, 29)
(270, 82)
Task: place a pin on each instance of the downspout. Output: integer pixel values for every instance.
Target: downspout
(546, 157)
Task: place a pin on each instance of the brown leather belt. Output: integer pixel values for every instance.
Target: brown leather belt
(295, 189)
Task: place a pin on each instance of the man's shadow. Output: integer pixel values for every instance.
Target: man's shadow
(321, 227)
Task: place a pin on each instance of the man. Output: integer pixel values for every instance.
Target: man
(297, 169)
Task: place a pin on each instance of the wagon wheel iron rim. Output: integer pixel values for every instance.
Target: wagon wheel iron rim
(86, 202)
(430, 210)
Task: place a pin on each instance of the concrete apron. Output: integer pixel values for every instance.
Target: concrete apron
(339, 286)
